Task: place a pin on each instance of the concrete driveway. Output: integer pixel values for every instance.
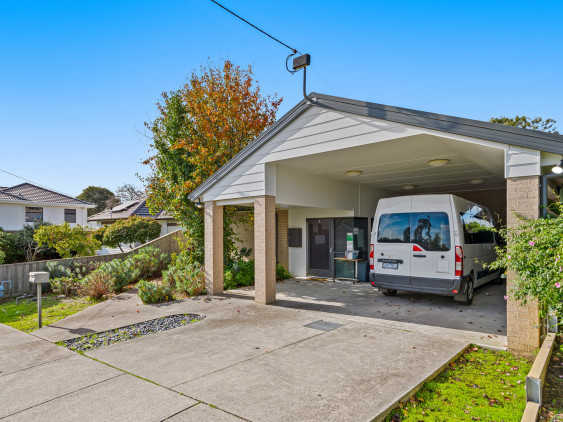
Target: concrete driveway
(298, 360)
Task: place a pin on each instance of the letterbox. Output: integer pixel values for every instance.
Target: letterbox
(39, 277)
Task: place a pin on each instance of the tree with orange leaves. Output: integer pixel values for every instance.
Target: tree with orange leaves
(200, 127)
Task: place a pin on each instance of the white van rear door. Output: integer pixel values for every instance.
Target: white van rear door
(392, 256)
(433, 255)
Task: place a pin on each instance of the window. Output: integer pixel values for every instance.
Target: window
(394, 228)
(33, 214)
(431, 230)
(70, 215)
(477, 225)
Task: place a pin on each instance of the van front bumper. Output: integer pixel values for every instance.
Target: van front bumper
(435, 286)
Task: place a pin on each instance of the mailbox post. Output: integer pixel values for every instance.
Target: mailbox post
(39, 278)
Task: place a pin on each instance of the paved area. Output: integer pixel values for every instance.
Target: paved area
(317, 355)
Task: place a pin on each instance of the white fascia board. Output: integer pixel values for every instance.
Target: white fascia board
(45, 204)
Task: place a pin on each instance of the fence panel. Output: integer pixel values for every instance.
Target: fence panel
(18, 273)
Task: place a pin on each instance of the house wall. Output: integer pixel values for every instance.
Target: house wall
(12, 216)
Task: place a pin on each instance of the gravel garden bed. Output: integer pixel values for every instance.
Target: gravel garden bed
(105, 338)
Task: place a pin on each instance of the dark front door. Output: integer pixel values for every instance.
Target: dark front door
(320, 245)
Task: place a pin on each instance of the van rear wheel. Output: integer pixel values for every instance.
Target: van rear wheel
(389, 292)
(469, 293)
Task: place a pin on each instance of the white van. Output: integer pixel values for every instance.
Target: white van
(431, 244)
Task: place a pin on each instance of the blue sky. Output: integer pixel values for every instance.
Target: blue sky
(78, 79)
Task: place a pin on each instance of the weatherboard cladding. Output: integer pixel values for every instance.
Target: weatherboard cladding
(31, 193)
(509, 135)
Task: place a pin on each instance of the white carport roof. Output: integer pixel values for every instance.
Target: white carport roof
(525, 138)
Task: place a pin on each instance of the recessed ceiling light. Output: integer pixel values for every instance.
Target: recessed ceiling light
(354, 173)
(409, 187)
(476, 181)
(438, 162)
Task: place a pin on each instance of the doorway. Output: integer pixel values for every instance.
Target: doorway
(320, 250)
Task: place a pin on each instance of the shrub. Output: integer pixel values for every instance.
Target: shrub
(65, 285)
(188, 279)
(282, 273)
(71, 269)
(240, 274)
(130, 231)
(150, 262)
(534, 252)
(67, 241)
(2, 257)
(123, 272)
(96, 285)
(154, 292)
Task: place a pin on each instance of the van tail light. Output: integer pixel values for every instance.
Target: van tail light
(371, 263)
(458, 261)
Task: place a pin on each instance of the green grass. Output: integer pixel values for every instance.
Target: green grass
(482, 385)
(24, 315)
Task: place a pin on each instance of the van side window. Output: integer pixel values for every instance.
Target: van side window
(431, 230)
(394, 228)
(477, 225)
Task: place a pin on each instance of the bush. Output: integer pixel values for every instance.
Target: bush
(65, 285)
(123, 273)
(67, 241)
(188, 278)
(534, 252)
(150, 262)
(240, 274)
(71, 269)
(2, 257)
(130, 231)
(96, 285)
(282, 273)
(154, 292)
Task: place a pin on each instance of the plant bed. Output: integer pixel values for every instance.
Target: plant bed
(105, 338)
(552, 394)
(482, 385)
(23, 316)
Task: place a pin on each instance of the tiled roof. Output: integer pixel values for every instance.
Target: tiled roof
(128, 209)
(32, 193)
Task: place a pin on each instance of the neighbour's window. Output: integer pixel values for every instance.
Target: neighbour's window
(431, 230)
(394, 228)
(477, 225)
(33, 214)
(70, 216)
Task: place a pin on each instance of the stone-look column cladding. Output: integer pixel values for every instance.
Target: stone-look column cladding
(213, 235)
(523, 325)
(283, 248)
(265, 249)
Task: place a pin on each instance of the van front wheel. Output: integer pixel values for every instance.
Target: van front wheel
(469, 292)
(389, 292)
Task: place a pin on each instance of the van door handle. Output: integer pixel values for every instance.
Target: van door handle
(419, 256)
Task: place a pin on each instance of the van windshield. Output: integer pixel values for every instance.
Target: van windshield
(429, 230)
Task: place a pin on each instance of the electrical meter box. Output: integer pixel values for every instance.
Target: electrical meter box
(39, 277)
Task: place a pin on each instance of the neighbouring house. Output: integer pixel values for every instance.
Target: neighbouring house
(27, 203)
(317, 174)
(137, 207)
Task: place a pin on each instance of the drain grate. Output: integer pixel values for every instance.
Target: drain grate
(324, 325)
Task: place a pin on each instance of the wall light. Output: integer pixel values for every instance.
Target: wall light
(438, 162)
(558, 169)
(354, 173)
(409, 187)
(476, 181)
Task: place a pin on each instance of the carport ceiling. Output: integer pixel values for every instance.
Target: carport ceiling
(391, 165)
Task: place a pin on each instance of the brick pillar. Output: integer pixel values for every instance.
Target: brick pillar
(213, 237)
(283, 248)
(523, 324)
(265, 249)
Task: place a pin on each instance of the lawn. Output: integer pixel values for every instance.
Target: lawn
(24, 315)
(482, 385)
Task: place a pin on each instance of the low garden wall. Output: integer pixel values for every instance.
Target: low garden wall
(18, 273)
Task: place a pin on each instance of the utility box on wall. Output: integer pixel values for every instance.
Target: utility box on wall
(295, 237)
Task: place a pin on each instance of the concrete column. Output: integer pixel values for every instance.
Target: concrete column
(213, 238)
(523, 324)
(265, 249)
(283, 246)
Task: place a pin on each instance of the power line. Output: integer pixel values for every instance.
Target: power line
(294, 50)
(35, 183)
